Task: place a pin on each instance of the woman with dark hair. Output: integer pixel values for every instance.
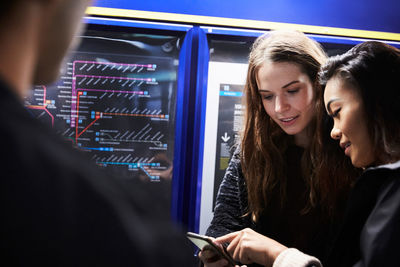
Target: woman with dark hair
(269, 188)
(362, 95)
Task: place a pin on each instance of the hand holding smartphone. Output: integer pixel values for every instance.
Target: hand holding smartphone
(205, 242)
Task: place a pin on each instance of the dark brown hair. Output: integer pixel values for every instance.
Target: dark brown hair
(333, 173)
(263, 142)
(373, 69)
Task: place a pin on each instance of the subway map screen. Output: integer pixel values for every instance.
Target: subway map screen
(115, 99)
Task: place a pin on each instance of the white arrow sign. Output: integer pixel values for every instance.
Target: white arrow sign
(225, 138)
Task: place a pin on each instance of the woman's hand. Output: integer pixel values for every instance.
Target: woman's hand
(247, 246)
(212, 259)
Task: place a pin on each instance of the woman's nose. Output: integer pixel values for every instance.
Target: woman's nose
(336, 133)
(281, 105)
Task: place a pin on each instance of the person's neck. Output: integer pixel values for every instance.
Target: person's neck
(302, 139)
(386, 159)
(18, 40)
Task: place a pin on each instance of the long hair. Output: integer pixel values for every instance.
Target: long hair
(263, 142)
(333, 174)
(373, 69)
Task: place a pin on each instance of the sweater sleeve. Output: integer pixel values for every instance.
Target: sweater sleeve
(292, 257)
(231, 202)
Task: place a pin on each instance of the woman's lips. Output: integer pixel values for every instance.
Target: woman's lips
(346, 147)
(289, 120)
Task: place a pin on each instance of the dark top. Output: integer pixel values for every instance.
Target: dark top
(59, 209)
(371, 230)
(286, 223)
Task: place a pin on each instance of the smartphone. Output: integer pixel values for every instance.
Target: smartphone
(205, 242)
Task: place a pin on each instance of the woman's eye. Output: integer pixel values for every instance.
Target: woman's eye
(267, 97)
(293, 91)
(335, 113)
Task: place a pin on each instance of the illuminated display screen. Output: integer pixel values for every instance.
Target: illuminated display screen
(116, 100)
